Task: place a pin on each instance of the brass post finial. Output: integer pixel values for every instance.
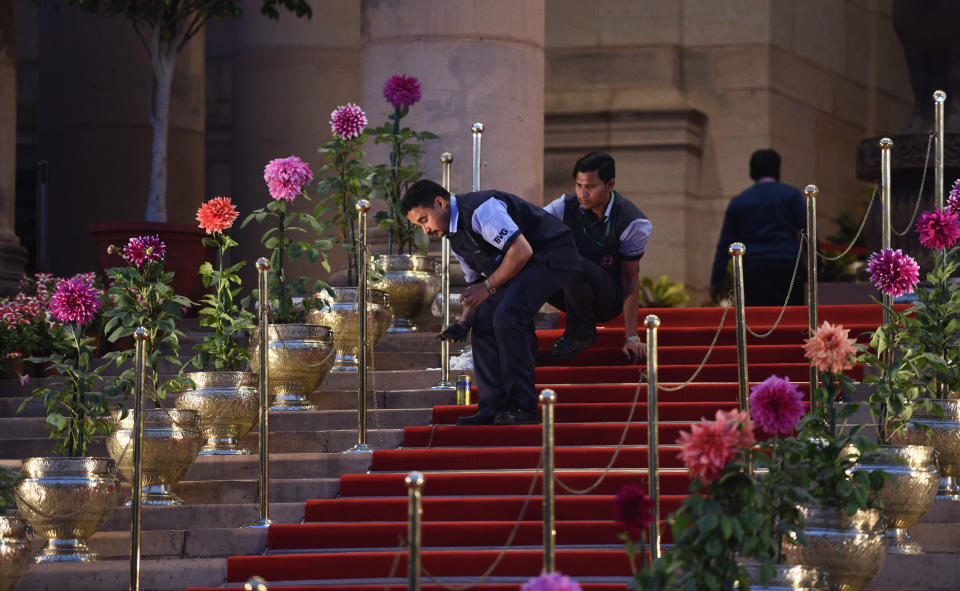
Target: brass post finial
(363, 205)
(737, 249)
(939, 96)
(886, 143)
(414, 480)
(477, 127)
(548, 396)
(447, 157)
(141, 333)
(810, 191)
(255, 584)
(651, 321)
(262, 264)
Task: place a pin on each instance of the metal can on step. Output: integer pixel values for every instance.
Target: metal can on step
(463, 388)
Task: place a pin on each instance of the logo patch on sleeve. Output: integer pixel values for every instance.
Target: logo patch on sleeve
(499, 237)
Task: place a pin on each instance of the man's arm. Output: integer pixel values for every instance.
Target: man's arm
(513, 262)
(630, 281)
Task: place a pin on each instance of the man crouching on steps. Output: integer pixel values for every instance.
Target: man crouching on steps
(515, 256)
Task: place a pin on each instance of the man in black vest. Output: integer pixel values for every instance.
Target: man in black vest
(515, 256)
(611, 235)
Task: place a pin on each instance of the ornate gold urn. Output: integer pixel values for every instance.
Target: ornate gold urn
(850, 550)
(228, 405)
(300, 357)
(411, 282)
(67, 500)
(340, 314)
(14, 551)
(787, 577)
(944, 436)
(909, 491)
(171, 442)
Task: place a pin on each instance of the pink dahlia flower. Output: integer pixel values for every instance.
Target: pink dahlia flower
(709, 446)
(217, 215)
(401, 90)
(893, 272)
(939, 228)
(286, 177)
(76, 300)
(551, 582)
(953, 199)
(143, 249)
(830, 348)
(634, 510)
(776, 405)
(348, 121)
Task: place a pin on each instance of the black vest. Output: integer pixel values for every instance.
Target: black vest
(599, 240)
(552, 242)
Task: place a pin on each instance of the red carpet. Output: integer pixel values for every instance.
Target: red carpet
(477, 478)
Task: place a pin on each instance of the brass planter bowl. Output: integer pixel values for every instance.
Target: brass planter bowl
(787, 577)
(411, 282)
(67, 500)
(299, 357)
(850, 550)
(340, 314)
(229, 406)
(908, 493)
(14, 551)
(944, 436)
(171, 442)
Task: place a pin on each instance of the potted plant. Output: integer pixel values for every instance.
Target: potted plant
(299, 353)
(14, 545)
(409, 280)
(344, 181)
(223, 393)
(67, 499)
(141, 296)
(25, 325)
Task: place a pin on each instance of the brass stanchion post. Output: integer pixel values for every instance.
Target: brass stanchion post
(886, 147)
(255, 584)
(737, 250)
(263, 270)
(445, 382)
(140, 337)
(810, 193)
(477, 130)
(939, 98)
(651, 323)
(363, 206)
(415, 483)
(548, 398)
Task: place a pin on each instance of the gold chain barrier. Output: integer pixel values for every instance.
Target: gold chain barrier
(140, 337)
(263, 269)
(548, 398)
(414, 482)
(923, 180)
(445, 383)
(810, 193)
(737, 250)
(651, 323)
(363, 207)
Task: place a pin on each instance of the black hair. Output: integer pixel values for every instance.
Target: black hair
(422, 194)
(596, 161)
(765, 163)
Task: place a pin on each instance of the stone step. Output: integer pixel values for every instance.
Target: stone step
(168, 574)
(931, 571)
(194, 517)
(238, 492)
(180, 543)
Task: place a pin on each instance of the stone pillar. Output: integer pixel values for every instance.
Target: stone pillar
(288, 76)
(94, 130)
(477, 60)
(12, 255)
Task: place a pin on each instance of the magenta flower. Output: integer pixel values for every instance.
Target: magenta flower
(286, 177)
(551, 582)
(634, 510)
(348, 121)
(144, 249)
(893, 272)
(76, 300)
(953, 200)
(938, 229)
(401, 90)
(776, 405)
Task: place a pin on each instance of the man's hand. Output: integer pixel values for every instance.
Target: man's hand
(475, 295)
(634, 351)
(456, 332)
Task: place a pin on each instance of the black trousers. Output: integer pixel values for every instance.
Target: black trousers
(765, 283)
(590, 296)
(504, 338)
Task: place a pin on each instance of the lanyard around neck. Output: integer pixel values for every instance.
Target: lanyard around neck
(606, 229)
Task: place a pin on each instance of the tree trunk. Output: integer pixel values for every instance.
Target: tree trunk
(163, 66)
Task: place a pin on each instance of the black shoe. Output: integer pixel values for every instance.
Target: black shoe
(517, 417)
(484, 416)
(567, 346)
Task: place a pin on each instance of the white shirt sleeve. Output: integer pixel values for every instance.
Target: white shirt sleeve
(469, 273)
(633, 239)
(556, 207)
(492, 221)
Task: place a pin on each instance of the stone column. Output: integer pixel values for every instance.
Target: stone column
(477, 60)
(12, 255)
